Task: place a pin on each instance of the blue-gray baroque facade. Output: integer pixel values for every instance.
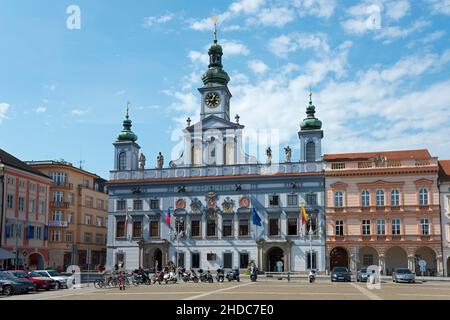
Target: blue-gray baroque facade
(212, 192)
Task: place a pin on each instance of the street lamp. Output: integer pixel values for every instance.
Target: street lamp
(176, 235)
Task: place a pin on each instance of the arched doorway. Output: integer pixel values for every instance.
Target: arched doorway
(427, 254)
(396, 257)
(368, 256)
(36, 261)
(275, 255)
(338, 258)
(157, 260)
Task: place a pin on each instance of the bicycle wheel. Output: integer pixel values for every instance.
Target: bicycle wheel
(98, 284)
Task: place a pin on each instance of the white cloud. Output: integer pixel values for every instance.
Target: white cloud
(197, 57)
(3, 110)
(390, 33)
(154, 20)
(440, 6)
(257, 66)
(232, 48)
(319, 8)
(120, 92)
(277, 17)
(41, 110)
(79, 112)
(246, 6)
(283, 45)
(398, 9)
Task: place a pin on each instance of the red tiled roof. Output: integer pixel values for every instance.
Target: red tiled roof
(421, 154)
(444, 169)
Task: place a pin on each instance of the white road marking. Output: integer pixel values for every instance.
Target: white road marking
(367, 293)
(216, 291)
(424, 295)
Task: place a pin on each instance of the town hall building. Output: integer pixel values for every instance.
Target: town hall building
(198, 210)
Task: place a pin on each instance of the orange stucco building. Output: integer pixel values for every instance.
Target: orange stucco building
(382, 208)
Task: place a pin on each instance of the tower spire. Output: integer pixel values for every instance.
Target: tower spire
(126, 134)
(311, 122)
(215, 20)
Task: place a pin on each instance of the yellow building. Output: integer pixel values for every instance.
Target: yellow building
(78, 216)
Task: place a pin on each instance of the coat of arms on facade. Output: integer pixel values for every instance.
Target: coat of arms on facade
(196, 205)
(227, 205)
(380, 161)
(211, 214)
(180, 204)
(244, 202)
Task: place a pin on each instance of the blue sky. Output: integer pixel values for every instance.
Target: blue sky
(378, 85)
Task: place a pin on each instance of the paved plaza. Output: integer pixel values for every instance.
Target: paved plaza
(261, 290)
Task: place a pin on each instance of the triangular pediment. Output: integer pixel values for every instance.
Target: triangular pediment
(214, 122)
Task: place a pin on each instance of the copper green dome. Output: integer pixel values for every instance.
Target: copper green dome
(311, 122)
(126, 134)
(215, 75)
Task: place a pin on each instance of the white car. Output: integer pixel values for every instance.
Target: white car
(60, 280)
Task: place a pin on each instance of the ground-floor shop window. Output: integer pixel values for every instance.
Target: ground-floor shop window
(310, 259)
(195, 261)
(243, 260)
(228, 260)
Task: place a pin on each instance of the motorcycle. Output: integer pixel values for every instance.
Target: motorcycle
(185, 276)
(254, 274)
(220, 275)
(312, 276)
(158, 277)
(205, 276)
(171, 276)
(193, 277)
(141, 277)
(233, 275)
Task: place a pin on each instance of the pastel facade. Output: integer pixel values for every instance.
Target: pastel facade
(444, 188)
(383, 209)
(77, 215)
(24, 213)
(211, 192)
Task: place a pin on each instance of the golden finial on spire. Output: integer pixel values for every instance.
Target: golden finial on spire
(310, 94)
(215, 19)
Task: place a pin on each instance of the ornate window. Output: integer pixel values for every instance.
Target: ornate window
(379, 196)
(395, 227)
(423, 197)
(122, 161)
(339, 199)
(395, 197)
(310, 152)
(366, 227)
(339, 227)
(381, 227)
(424, 227)
(365, 198)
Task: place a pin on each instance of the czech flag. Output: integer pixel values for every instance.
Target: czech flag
(168, 217)
(305, 217)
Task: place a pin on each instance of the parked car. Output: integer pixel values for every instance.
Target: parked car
(60, 280)
(341, 274)
(403, 275)
(13, 285)
(362, 275)
(40, 281)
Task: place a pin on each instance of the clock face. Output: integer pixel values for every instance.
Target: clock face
(212, 99)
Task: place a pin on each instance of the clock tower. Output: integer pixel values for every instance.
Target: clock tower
(215, 93)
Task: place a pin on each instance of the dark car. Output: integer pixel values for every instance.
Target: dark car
(362, 275)
(39, 281)
(12, 285)
(341, 274)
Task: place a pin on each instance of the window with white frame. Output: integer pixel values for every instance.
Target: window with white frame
(365, 198)
(99, 221)
(88, 219)
(395, 227)
(292, 199)
(21, 204)
(10, 201)
(311, 199)
(39, 233)
(339, 199)
(154, 204)
(424, 227)
(68, 236)
(379, 196)
(31, 205)
(70, 217)
(59, 178)
(381, 227)
(339, 227)
(57, 216)
(395, 197)
(423, 197)
(366, 227)
(42, 208)
(58, 196)
(55, 236)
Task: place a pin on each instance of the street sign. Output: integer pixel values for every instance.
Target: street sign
(422, 265)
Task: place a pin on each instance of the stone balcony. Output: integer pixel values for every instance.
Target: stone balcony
(218, 171)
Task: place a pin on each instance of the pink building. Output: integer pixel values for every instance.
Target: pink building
(382, 208)
(23, 217)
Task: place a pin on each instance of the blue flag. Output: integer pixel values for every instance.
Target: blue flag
(256, 218)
